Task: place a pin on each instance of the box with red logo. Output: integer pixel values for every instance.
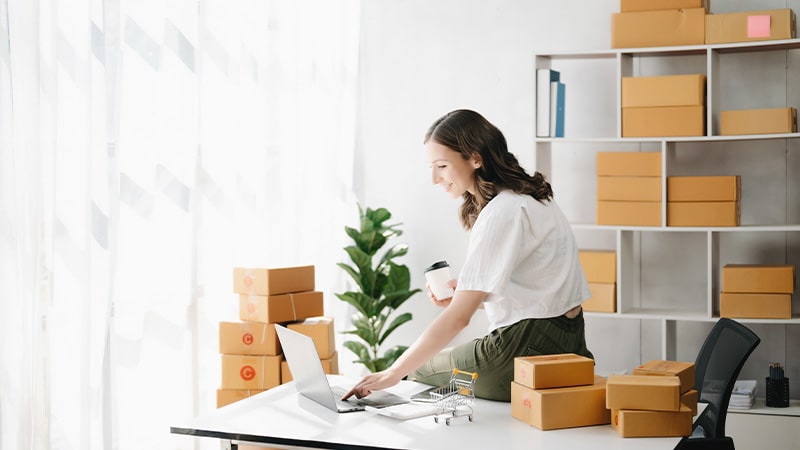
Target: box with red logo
(250, 371)
(248, 338)
(551, 371)
(280, 280)
(555, 408)
(329, 366)
(228, 396)
(320, 330)
(637, 423)
(662, 393)
(684, 370)
(280, 308)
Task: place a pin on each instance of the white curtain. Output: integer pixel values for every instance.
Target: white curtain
(146, 148)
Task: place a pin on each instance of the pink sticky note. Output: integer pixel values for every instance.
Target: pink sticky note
(758, 26)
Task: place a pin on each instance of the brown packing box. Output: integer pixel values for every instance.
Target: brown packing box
(758, 279)
(320, 330)
(689, 399)
(758, 121)
(755, 306)
(632, 189)
(703, 214)
(650, 5)
(329, 366)
(630, 423)
(684, 370)
(250, 372)
(248, 338)
(668, 90)
(641, 392)
(647, 214)
(550, 371)
(726, 188)
(228, 396)
(604, 298)
(663, 121)
(280, 308)
(744, 26)
(569, 407)
(599, 266)
(273, 281)
(629, 164)
(664, 28)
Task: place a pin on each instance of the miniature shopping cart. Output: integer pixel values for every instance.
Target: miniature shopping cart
(455, 398)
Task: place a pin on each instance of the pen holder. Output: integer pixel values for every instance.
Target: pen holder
(777, 392)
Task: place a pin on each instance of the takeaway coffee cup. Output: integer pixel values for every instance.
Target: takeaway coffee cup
(438, 275)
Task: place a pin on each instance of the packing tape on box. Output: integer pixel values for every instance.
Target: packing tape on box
(294, 311)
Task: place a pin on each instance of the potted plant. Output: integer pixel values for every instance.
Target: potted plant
(381, 288)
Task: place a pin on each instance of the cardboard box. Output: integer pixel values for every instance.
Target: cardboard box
(551, 371)
(640, 392)
(250, 372)
(228, 396)
(758, 121)
(631, 189)
(569, 407)
(650, 5)
(604, 298)
(280, 308)
(755, 306)
(248, 338)
(329, 366)
(758, 279)
(664, 121)
(746, 26)
(630, 423)
(646, 214)
(321, 331)
(703, 214)
(669, 90)
(599, 266)
(658, 28)
(704, 189)
(629, 164)
(273, 281)
(689, 399)
(684, 370)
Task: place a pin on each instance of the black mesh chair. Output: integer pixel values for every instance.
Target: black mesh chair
(718, 364)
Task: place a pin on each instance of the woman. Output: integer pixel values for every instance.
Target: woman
(521, 266)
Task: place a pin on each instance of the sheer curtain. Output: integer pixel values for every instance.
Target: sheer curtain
(146, 148)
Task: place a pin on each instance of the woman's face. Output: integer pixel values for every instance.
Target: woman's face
(449, 170)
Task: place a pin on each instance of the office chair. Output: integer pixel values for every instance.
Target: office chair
(718, 364)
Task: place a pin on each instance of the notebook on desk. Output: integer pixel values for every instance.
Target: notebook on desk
(311, 381)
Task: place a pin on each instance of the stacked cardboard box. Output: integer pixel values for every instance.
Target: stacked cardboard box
(672, 105)
(658, 399)
(647, 23)
(600, 268)
(629, 188)
(751, 26)
(558, 391)
(758, 121)
(757, 291)
(711, 201)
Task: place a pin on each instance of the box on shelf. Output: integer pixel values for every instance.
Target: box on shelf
(599, 266)
(658, 28)
(248, 338)
(755, 306)
(329, 366)
(646, 214)
(746, 26)
(758, 121)
(604, 298)
(667, 90)
(632, 423)
(274, 281)
(551, 371)
(661, 393)
(250, 371)
(631, 189)
(629, 164)
(726, 188)
(758, 278)
(556, 408)
(321, 331)
(684, 370)
(650, 5)
(664, 121)
(228, 396)
(703, 214)
(280, 308)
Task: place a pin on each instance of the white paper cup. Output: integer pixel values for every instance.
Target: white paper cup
(438, 276)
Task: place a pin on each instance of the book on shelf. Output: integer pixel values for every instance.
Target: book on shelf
(543, 99)
(557, 91)
(743, 394)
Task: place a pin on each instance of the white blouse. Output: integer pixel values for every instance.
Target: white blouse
(523, 254)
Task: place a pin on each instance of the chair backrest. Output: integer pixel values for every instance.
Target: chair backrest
(718, 364)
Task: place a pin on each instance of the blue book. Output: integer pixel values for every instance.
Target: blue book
(543, 79)
(557, 91)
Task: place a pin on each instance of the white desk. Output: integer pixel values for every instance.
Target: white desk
(281, 417)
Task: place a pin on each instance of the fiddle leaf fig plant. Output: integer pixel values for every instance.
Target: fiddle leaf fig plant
(381, 287)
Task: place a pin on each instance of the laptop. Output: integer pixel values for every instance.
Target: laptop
(311, 381)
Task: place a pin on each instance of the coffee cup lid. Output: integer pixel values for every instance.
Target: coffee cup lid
(437, 265)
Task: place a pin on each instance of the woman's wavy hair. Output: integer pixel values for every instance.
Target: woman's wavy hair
(468, 132)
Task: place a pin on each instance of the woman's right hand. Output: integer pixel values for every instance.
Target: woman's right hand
(445, 302)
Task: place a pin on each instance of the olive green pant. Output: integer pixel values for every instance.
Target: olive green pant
(492, 356)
